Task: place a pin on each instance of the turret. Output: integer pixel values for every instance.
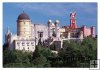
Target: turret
(24, 26)
(93, 31)
(8, 35)
(57, 22)
(49, 23)
(56, 27)
(73, 20)
(84, 30)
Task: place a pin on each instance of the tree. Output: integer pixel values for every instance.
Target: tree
(73, 54)
(15, 57)
(40, 56)
(78, 54)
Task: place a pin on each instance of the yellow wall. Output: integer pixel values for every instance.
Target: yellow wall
(24, 28)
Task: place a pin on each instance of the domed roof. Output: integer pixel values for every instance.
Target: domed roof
(23, 16)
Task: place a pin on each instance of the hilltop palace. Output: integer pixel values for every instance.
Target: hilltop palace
(29, 35)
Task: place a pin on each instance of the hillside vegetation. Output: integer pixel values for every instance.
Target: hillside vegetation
(73, 54)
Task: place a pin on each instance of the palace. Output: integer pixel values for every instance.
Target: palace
(29, 35)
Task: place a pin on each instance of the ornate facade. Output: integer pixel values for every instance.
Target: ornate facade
(29, 35)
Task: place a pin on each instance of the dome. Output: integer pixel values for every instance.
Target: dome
(23, 16)
(57, 21)
(49, 21)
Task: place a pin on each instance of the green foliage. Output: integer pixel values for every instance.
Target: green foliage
(8, 57)
(13, 58)
(40, 56)
(18, 58)
(73, 54)
(77, 53)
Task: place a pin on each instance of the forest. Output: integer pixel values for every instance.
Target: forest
(73, 54)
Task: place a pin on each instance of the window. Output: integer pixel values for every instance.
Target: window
(18, 43)
(27, 43)
(40, 34)
(32, 42)
(28, 48)
(23, 43)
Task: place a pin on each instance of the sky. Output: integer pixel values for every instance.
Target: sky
(40, 13)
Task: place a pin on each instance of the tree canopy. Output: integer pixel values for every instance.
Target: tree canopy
(73, 54)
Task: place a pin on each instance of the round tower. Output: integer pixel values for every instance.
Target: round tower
(24, 26)
(49, 23)
(56, 27)
(57, 23)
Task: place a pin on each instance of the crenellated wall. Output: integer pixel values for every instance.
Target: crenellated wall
(88, 31)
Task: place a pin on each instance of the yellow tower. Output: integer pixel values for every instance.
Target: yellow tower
(24, 28)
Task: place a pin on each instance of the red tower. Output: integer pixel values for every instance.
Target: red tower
(73, 20)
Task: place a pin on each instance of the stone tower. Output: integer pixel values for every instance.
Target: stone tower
(24, 26)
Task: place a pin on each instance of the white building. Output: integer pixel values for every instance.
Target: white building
(29, 35)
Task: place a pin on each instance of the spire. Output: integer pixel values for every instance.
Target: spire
(23, 10)
(8, 30)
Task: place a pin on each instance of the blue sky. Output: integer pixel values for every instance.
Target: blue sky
(40, 13)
